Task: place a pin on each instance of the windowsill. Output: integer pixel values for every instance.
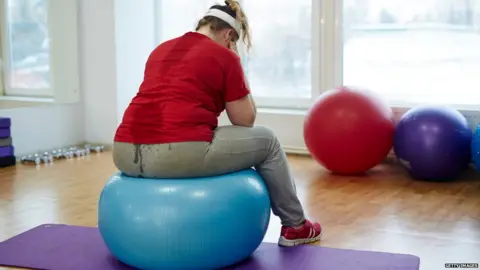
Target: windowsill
(8, 102)
(396, 107)
(266, 110)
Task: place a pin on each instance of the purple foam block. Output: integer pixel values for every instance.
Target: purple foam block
(6, 151)
(60, 247)
(5, 122)
(4, 132)
(7, 161)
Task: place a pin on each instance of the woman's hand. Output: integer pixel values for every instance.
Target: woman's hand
(233, 46)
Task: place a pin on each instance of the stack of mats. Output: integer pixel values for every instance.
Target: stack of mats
(7, 156)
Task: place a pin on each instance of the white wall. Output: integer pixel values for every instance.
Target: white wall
(116, 37)
(135, 39)
(286, 124)
(94, 119)
(42, 128)
(112, 53)
(98, 68)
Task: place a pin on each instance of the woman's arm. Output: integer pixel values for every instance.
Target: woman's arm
(240, 106)
(241, 112)
(251, 97)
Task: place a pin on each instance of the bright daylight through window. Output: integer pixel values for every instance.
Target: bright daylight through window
(422, 51)
(25, 48)
(279, 64)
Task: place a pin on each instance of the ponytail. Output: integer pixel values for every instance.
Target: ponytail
(242, 18)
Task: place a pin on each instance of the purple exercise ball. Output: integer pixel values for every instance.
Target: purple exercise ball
(433, 143)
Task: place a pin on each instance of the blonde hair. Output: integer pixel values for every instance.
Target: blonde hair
(234, 9)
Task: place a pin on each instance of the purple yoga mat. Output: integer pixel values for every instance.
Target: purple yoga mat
(5, 122)
(4, 132)
(6, 151)
(61, 247)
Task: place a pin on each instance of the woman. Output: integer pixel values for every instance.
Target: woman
(170, 129)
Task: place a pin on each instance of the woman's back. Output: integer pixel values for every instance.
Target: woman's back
(182, 94)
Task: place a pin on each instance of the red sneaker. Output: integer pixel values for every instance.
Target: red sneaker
(308, 233)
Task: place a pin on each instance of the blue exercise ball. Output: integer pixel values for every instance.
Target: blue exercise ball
(433, 143)
(197, 223)
(476, 148)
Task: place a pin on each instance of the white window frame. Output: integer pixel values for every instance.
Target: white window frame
(279, 114)
(64, 54)
(326, 62)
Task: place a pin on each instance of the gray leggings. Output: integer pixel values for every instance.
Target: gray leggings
(233, 148)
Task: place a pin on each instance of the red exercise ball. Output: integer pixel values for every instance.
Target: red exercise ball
(349, 131)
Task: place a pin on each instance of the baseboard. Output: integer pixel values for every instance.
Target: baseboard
(107, 147)
(288, 149)
(296, 150)
(472, 116)
(299, 151)
(291, 150)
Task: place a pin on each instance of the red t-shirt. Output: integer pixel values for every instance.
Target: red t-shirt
(186, 84)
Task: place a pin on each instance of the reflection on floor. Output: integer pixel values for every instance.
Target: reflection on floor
(384, 211)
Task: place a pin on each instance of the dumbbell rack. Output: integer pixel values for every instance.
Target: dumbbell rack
(61, 153)
(7, 153)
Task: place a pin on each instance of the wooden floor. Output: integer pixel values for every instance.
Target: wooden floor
(385, 211)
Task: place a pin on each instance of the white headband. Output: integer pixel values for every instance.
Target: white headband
(225, 17)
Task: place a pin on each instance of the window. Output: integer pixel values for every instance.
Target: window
(39, 48)
(279, 67)
(426, 51)
(422, 52)
(26, 54)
